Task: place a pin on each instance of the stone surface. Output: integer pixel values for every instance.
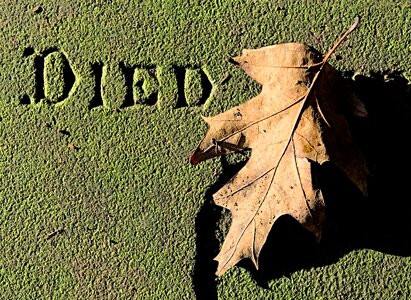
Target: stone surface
(98, 200)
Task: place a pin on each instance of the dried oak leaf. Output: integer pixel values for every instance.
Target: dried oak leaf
(297, 120)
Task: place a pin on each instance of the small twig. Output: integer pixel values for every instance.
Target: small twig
(55, 233)
(225, 79)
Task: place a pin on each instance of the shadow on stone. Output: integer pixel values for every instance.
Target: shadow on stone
(207, 249)
(379, 222)
(207, 227)
(97, 100)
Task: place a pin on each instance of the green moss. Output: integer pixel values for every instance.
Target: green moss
(145, 86)
(193, 87)
(54, 83)
(168, 93)
(113, 89)
(127, 198)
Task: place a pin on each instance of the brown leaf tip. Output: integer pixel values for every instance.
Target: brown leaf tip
(193, 159)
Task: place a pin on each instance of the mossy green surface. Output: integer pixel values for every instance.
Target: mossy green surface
(101, 203)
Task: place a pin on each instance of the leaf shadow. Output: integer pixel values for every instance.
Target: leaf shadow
(207, 226)
(378, 222)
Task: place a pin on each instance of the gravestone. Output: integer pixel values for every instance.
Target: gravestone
(100, 108)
